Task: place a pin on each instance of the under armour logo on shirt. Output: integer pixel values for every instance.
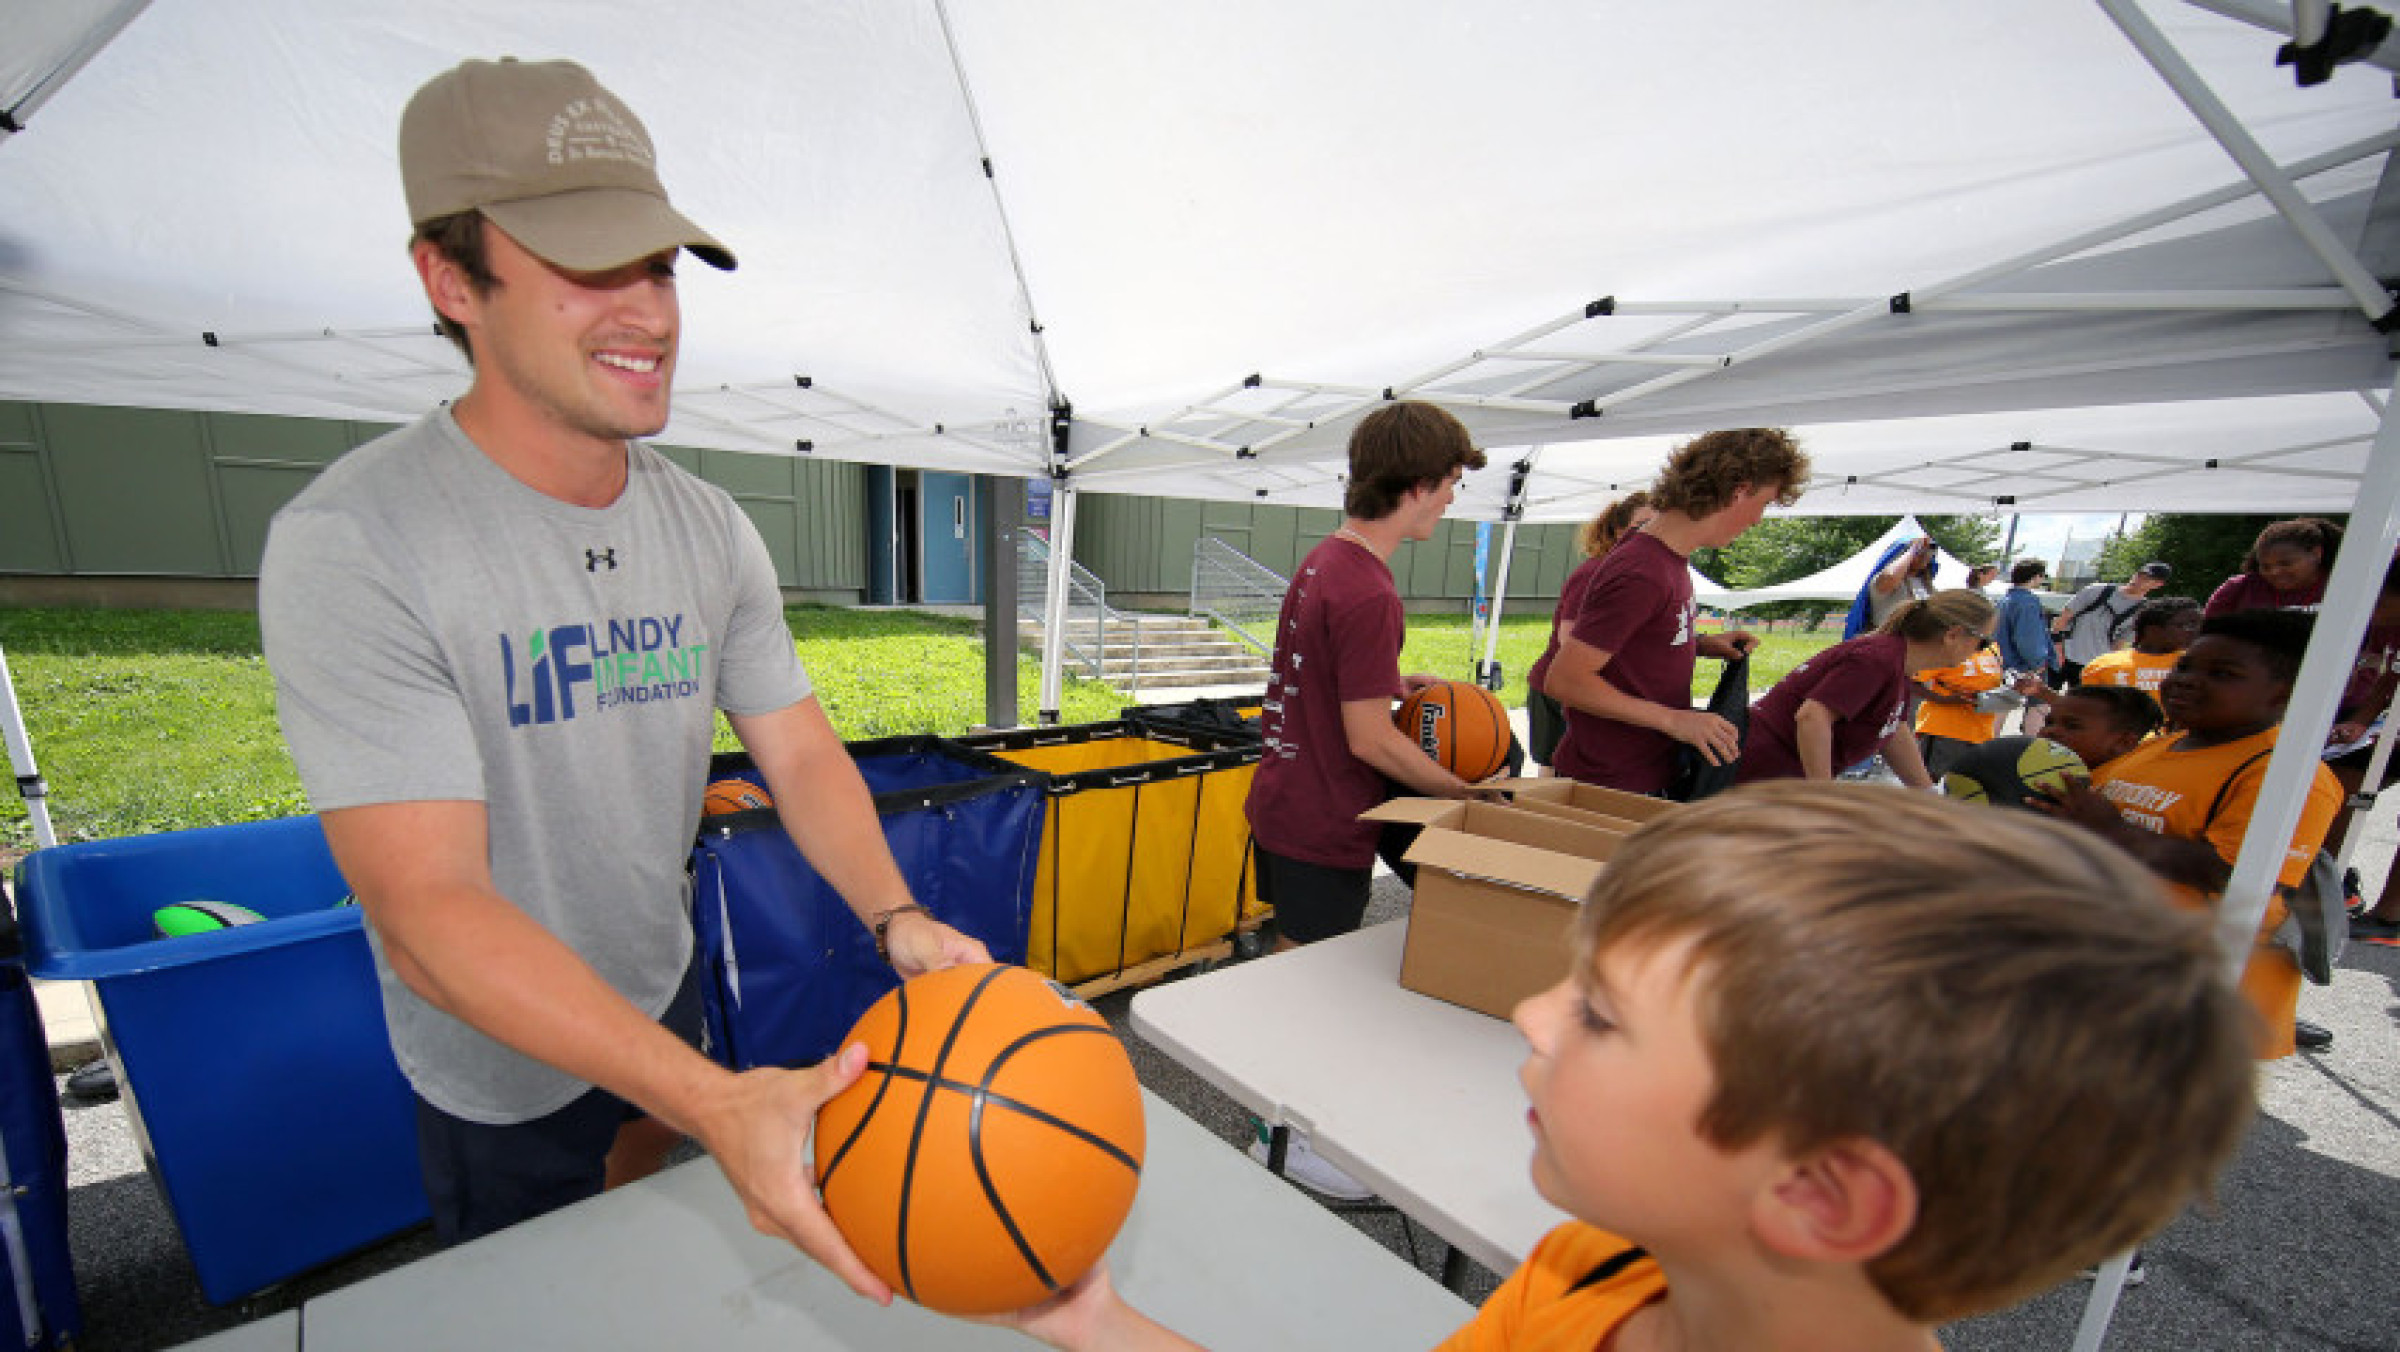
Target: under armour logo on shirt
(593, 558)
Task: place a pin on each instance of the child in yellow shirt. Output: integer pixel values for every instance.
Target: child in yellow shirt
(1816, 1041)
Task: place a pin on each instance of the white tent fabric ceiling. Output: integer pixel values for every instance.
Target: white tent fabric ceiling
(1339, 198)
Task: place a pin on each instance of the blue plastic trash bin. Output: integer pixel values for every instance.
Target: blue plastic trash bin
(252, 1061)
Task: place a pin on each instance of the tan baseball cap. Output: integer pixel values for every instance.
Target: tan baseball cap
(548, 155)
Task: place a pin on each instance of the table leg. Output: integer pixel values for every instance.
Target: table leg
(1454, 1269)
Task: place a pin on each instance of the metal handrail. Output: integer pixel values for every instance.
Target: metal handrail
(1089, 616)
(1237, 592)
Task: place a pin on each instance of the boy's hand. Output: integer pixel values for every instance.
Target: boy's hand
(757, 1128)
(1715, 738)
(2078, 802)
(1088, 1315)
(1729, 645)
(1416, 681)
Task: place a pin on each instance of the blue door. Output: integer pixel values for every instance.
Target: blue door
(947, 533)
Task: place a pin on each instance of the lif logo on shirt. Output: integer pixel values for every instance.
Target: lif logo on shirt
(551, 675)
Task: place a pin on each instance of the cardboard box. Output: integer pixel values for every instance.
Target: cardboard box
(1498, 888)
(1614, 808)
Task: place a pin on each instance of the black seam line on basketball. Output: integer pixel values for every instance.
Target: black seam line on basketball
(991, 1195)
(992, 1072)
(858, 1128)
(1017, 1106)
(916, 1134)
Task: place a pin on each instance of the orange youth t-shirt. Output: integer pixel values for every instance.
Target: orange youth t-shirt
(2125, 667)
(1970, 678)
(1548, 1305)
(2160, 787)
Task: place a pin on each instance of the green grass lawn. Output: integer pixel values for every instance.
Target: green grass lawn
(148, 721)
(1443, 645)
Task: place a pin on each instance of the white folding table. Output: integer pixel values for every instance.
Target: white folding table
(1414, 1097)
(1214, 1248)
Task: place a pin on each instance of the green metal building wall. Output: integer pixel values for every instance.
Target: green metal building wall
(1144, 545)
(95, 491)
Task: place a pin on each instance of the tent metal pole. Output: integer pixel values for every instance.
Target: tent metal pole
(2332, 649)
(2296, 210)
(1487, 671)
(20, 757)
(1054, 605)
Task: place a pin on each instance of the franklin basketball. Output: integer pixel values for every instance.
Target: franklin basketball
(990, 1151)
(2006, 770)
(734, 794)
(1463, 726)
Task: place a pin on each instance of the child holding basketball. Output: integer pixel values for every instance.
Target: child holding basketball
(2101, 722)
(1743, 973)
(2182, 803)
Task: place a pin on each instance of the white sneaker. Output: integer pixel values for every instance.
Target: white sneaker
(1314, 1172)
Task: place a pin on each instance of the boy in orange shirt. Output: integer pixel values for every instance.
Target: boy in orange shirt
(2161, 629)
(2181, 802)
(1704, 1082)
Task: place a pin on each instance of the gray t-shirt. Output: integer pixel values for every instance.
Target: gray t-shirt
(2099, 611)
(440, 631)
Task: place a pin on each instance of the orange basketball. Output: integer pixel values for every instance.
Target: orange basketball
(1463, 726)
(990, 1151)
(734, 794)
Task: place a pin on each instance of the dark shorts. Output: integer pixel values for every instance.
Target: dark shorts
(1940, 753)
(482, 1177)
(1312, 901)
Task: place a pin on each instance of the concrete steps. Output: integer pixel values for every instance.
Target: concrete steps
(1165, 652)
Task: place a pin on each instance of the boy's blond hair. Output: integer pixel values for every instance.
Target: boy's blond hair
(1702, 475)
(2007, 1004)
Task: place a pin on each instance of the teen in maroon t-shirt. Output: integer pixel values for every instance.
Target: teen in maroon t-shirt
(2286, 569)
(1332, 750)
(1863, 682)
(1623, 672)
(1854, 695)
(1639, 610)
(1337, 639)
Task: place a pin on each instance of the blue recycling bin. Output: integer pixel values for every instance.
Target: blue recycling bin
(252, 1061)
(786, 968)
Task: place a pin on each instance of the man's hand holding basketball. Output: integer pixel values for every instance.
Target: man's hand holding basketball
(756, 1125)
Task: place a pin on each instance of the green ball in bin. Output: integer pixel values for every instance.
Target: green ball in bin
(199, 917)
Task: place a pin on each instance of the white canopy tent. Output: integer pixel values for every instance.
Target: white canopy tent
(1988, 255)
(1840, 581)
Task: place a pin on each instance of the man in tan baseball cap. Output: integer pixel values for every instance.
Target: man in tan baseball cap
(501, 637)
(549, 156)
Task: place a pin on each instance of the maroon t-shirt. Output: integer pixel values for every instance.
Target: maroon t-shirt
(1337, 640)
(1864, 682)
(1638, 609)
(2249, 591)
(1562, 619)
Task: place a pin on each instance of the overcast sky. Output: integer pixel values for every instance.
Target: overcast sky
(2047, 535)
